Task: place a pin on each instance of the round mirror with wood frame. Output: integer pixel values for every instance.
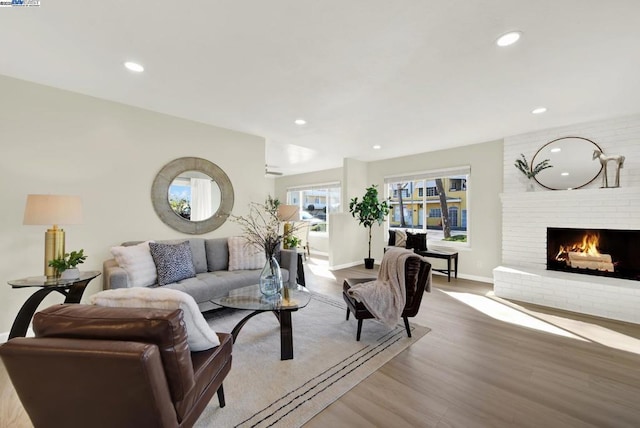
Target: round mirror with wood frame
(172, 218)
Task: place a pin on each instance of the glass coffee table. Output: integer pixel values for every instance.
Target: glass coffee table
(250, 298)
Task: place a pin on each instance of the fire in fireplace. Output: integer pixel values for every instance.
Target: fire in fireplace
(604, 252)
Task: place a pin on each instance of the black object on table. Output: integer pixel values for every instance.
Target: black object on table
(300, 274)
(72, 289)
(439, 254)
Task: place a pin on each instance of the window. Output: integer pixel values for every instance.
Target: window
(417, 209)
(405, 193)
(315, 203)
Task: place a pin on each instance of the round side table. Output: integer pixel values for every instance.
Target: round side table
(72, 289)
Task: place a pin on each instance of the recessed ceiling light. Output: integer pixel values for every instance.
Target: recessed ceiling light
(134, 66)
(508, 38)
(564, 174)
(539, 110)
(377, 147)
(300, 122)
(556, 150)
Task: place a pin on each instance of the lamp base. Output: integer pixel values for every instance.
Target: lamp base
(53, 249)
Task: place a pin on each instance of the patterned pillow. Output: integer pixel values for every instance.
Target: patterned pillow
(173, 261)
(244, 256)
(401, 238)
(136, 260)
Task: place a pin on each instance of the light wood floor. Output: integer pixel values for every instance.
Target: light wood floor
(473, 370)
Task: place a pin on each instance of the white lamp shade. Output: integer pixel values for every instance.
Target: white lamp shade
(288, 213)
(53, 209)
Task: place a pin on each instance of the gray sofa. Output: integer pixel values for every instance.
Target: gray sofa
(213, 279)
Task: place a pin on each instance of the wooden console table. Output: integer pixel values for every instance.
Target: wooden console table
(72, 289)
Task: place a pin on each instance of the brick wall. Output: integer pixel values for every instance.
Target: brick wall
(526, 216)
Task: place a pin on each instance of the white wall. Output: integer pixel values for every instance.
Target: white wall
(60, 142)
(526, 216)
(350, 244)
(485, 185)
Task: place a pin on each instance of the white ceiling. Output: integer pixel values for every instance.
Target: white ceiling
(410, 75)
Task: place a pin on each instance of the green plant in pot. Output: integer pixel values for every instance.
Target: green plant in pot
(368, 211)
(66, 267)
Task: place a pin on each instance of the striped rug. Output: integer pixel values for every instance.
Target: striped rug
(263, 391)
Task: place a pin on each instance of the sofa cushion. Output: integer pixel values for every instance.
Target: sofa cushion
(243, 255)
(137, 261)
(173, 261)
(199, 335)
(198, 254)
(217, 251)
(401, 238)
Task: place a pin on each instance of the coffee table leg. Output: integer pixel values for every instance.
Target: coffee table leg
(243, 321)
(286, 335)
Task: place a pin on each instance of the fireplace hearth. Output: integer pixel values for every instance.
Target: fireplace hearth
(603, 252)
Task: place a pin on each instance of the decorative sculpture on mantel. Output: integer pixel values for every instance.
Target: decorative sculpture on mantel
(604, 160)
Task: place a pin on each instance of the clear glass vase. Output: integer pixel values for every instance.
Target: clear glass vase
(271, 278)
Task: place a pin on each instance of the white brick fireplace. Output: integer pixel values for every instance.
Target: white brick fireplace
(526, 216)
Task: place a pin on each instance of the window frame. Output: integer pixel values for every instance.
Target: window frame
(423, 207)
(329, 197)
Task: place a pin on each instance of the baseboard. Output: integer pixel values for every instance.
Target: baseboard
(346, 265)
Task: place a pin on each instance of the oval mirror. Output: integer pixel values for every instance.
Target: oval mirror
(572, 161)
(192, 195)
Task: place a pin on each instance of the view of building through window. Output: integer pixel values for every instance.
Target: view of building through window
(435, 202)
(315, 203)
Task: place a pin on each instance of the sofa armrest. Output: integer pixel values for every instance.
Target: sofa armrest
(289, 261)
(113, 275)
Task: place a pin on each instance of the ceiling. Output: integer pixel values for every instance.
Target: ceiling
(411, 76)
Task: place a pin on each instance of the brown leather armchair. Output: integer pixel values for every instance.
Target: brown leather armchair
(114, 367)
(417, 273)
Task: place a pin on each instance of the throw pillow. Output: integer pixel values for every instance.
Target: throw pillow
(417, 241)
(243, 255)
(199, 336)
(136, 260)
(392, 238)
(401, 238)
(173, 261)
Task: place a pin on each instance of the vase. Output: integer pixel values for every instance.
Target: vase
(73, 273)
(531, 187)
(271, 278)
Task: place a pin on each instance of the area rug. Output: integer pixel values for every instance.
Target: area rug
(261, 390)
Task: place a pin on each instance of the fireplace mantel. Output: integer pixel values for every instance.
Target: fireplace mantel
(523, 275)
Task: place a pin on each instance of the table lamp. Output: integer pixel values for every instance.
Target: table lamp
(54, 210)
(287, 214)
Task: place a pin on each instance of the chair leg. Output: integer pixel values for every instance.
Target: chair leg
(221, 396)
(406, 325)
(359, 330)
(348, 312)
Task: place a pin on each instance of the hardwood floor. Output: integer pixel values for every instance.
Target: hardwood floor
(479, 367)
(474, 370)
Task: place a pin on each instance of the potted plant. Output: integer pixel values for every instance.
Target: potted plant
(66, 267)
(368, 211)
(531, 171)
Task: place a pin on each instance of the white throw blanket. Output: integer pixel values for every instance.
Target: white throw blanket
(385, 297)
